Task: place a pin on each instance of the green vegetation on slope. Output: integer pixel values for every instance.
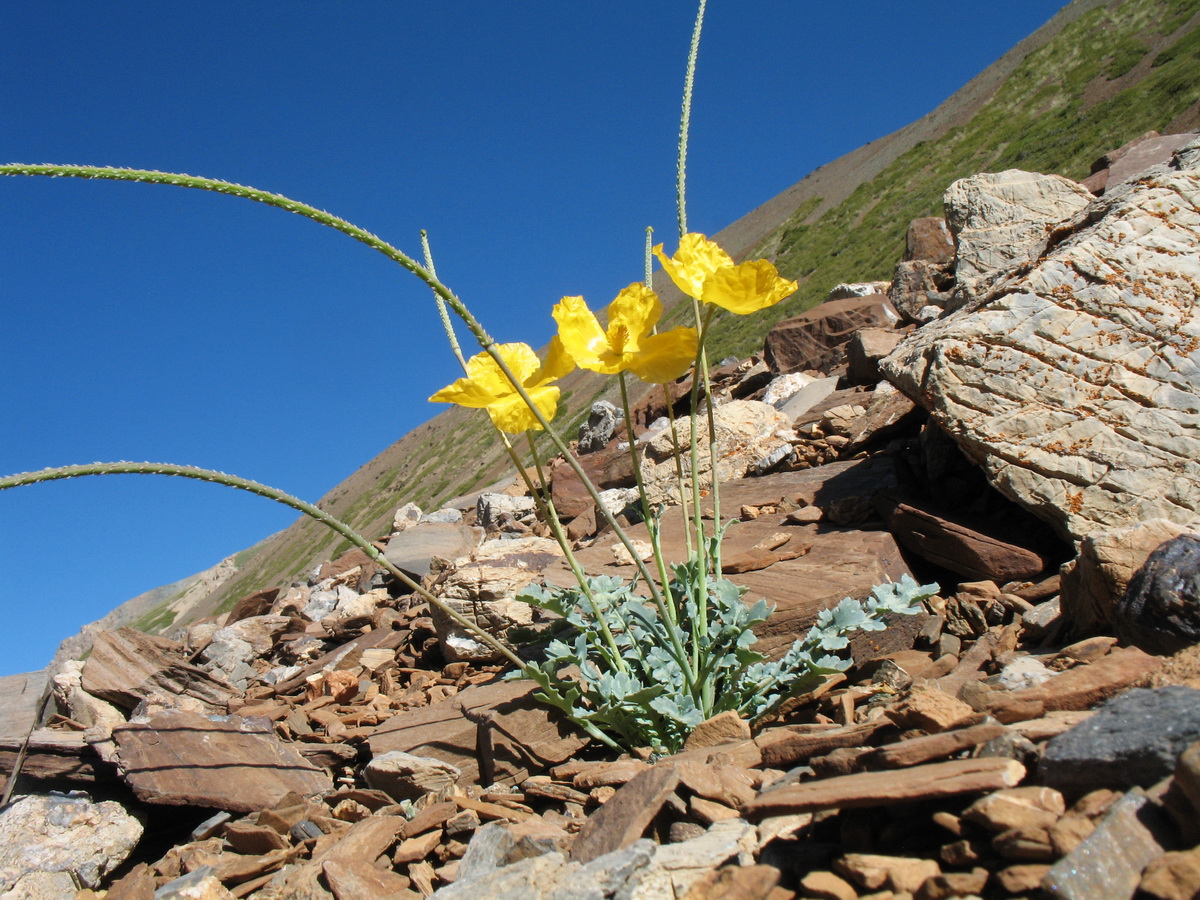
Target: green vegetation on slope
(1042, 119)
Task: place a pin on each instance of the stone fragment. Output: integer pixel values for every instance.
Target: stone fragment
(676, 868)
(1023, 807)
(813, 340)
(1173, 876)
(200, 884)
(1133, 158)
(403, 776)
(930, 710)
(1135, 739)
(896, 873)
(784, 747)
(736, 883)
(722, 728)
(127, 667)
(521, 732)
(822, 885)
(960, 546)
(1023, 878)
(1097, 579)
(413, 549)
(928, 238)
(1000, 220)
(599, 428)
(934, 780)
(1082, 418)
(1160, 611)
(64, 834)
(930, 747)
(864, 351)
(1110, 863)
(181, 758)
(621, 821)
(360, 880)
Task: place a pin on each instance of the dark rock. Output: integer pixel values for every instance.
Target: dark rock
(1132, 740)
(813, 340)
(864, 351)
(917, 284)
(928, 239)
(1160, 611)
(598, 430)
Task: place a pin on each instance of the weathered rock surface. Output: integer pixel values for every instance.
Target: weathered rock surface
(1160, 611)
(179, 757)
(68, 834)
(813, 340)
(1076, 386)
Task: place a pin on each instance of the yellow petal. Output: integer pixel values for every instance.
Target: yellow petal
(664, 357)
(631, 316)
(747, 288)
(463, 392)
(580, 332)
(694, 262)
(558, 363)
(512, 415)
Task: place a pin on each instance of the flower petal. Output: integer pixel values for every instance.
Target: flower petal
(636, 310)
(696, 259)
(747, 288)
(464, 392)
(558, 363)
(580, 332)
(664, 357)
(512, 415)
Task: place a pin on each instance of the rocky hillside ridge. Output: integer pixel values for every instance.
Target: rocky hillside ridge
(1098, 74)
(1034, 731)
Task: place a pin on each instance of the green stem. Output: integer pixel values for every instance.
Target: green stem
(443, 314)
(262, 490)
(685, 119)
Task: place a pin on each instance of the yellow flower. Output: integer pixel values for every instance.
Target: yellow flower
(486, 386)
(628, 343)
(703, 270)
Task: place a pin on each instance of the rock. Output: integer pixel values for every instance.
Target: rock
(403, 776)
(928, 239)
(1160, 611)
(182, 758)
(361, 880)
(1133, 158)
(64, 833)
(79, 704)
(599, 428)
(1002, 220)
(722, 728)
(919, 285)
(927, 782)
(895, 873)
(785, 386)
(235, 646)
(956, 545)
(1173, 876)
(1086, 420)
(678, 867)
(621, 821)
(1132, 740)
(413, 549)
(805, 399)
(406, 517)
(1108, 864)
(1097, 579)
(493, 510)
(127, 667)
(813, 340)
(864, 351)
(607, 468)
(522, 734)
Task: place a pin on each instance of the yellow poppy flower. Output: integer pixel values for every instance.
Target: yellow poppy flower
(627, 344)
(703, 270)
(486, 387)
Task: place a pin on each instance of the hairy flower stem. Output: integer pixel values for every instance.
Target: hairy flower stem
(262, 490)
(685, 119)
(443, 314)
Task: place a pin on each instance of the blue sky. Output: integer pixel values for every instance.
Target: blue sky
(534, 140)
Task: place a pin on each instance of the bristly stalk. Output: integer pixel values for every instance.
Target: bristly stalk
(262, 490)
(685, 120)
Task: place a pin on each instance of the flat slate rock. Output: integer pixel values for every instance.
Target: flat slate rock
(19, 696)
(182, 758)
(521, 731)
(126, 667)
(413, 549)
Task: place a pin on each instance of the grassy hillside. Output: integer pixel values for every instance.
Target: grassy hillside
(1097, 75)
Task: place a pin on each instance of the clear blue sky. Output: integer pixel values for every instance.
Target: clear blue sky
(534, 140)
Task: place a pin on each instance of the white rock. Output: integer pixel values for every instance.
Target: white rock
(783, 387)
(406, 517)
(404, 776)
(64, 833)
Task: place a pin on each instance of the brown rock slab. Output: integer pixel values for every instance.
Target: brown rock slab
(958, 545)
(932, 781)
(183, 758)
(361, 880)
(930, 747)
(897, 873)
(813, 340)
(57, 754)
(736, 883)
(785, 747)
(523, 733)
(623, 819)
(126, 667)
(723, 728)
(413, 549)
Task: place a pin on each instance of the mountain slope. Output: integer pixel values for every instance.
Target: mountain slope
(1096, 75)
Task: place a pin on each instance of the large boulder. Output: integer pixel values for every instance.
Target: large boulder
(1076, 384)
(1002, 219)
(813, 340)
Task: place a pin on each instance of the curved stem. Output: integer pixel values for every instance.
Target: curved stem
(262, 490)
